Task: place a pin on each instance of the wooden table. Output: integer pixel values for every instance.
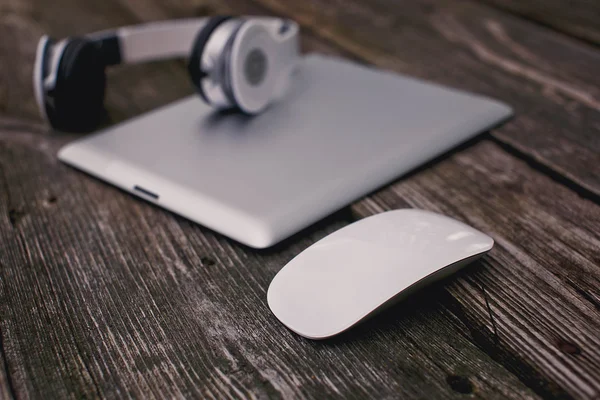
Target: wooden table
(104, 295)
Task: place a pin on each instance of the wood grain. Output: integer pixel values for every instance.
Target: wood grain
(470, 46)
(134, 300)
(112, 296)
(535, 286)
(5, 383)
(581, 18)
(104, 295)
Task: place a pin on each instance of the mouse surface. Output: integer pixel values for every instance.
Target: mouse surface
(366, 266)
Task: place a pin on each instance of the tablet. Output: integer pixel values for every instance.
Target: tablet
(340, 131)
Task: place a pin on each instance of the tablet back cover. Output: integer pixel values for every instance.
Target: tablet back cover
(340, 131)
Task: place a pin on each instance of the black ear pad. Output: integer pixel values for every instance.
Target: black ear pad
(196, 73)
(227, 89)
(76, 104)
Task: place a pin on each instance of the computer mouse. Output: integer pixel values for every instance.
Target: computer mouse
(364, 267)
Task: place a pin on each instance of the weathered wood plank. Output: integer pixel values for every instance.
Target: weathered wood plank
(82, 382)
(5, 385)
(473, 47)
(135, 300)
(579, 18)
(112, 296)
(543, 297)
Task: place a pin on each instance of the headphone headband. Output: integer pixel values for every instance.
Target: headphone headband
(148, 42)
(69, 74)
(159, 40)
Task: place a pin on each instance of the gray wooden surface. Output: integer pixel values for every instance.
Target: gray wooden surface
(579, 18)
(103, 295)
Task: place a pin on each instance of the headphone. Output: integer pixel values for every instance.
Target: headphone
(233, 63)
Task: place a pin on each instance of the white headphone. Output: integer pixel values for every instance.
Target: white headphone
(233, 62)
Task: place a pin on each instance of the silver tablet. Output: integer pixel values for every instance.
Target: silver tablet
(340, 131)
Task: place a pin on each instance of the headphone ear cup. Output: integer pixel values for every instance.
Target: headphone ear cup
(77, 101)
(252, 68)
(195, 60)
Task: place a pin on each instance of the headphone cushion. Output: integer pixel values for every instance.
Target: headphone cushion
(194, 69)
(78, 97)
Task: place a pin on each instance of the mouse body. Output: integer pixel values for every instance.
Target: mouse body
(368, 265)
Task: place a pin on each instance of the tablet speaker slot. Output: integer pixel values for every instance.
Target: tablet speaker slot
(145, 192)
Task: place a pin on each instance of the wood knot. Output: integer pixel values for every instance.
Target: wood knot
(15, 216)
(460, 384)
(207, 261)
(50, 201)
(568, 347)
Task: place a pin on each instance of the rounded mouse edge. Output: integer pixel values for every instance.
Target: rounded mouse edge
(309, 334)
(491, 243)
(326, 334)
(452, 220)
(317, 334)
(282, 318)
(440, 274)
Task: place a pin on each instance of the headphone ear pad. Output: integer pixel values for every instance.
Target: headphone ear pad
(78, 98)
(194, 62)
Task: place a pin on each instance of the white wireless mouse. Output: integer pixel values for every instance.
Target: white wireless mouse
(360, 269)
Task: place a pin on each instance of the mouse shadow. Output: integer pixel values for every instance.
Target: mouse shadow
(398, 318)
